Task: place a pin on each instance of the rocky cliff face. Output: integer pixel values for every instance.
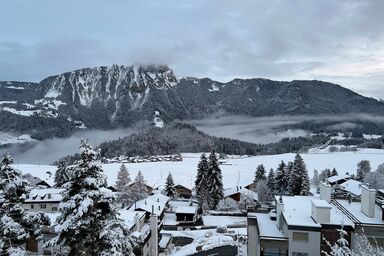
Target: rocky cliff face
(106, 97)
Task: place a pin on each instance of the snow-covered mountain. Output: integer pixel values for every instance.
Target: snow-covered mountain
(107, 97)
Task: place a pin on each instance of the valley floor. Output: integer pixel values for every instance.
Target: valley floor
(236, 170)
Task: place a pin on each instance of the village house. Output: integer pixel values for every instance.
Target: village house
(183, 191)
(45, 200)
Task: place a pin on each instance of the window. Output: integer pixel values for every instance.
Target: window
(54, 209)
(300, 236)
(32, 206)
(299, 254)
(43, 206)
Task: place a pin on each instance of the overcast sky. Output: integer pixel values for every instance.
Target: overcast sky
(333, 40)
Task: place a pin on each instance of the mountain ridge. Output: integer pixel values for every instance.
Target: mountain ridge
(118, 96)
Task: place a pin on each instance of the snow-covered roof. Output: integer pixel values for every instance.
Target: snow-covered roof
(158, 201)
(320, 203)
(165, 239)
(298, 212)
(44, 195)
(267, 227)
(143, 233)
(187, 186)
(129, 217)
(160, 198)
(354, 208)
(352, 186)
(336, 178)
(244, 191)
(186, 210)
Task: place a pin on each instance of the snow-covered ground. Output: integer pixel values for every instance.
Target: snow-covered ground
(236, 170)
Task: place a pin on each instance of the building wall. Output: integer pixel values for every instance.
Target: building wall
(253, 246)
(311, 246)
(39, 206)
(183, 192)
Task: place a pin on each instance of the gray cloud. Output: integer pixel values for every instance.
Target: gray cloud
(339, 41)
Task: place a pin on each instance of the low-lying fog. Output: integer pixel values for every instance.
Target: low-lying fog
(246, 128)
(50, 150)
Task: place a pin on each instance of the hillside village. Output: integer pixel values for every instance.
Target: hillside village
(279, 212)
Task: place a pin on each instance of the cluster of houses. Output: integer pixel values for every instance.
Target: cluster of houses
(144, 159)
(290, 225)
(145, 218)
(301, 225)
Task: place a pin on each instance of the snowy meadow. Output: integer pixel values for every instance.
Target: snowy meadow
(236, 170)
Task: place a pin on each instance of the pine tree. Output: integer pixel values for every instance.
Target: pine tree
(271, 183)
(315, 178)
(89, 223)
(123, 178)
(16, 225)
(334, 172)
(259, 174)
(363, 167)
(61, 175)
(305, 184)
(201, 185)
(340, 248)
(281, 180)
(214, 181)
(138, 189)
(170, 187)
(299, 180)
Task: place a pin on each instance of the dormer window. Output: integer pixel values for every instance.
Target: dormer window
(27, 197)
(49, 196)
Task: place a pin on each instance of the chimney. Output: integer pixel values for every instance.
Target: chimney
(137, 222)
(153, 242)
(325, 191)
(279, 212)
(368, 197)
(321, 211)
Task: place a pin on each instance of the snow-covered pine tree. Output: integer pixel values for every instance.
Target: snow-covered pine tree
(61, 175)
(138, 189)
(89, 224)
(123, 178)
(334, 172)
(305, 183)
(363, 167)
(170, 187)
(16, 225)
(271, 183)
(315, 179)
(299, 180)
(340, 248)
(201, 186)
(259, 174)
(214, 181)
(281, 179)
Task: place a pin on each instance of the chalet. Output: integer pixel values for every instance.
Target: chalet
(156, 204)
(352, 187)
(236, 192)
(36, 182)
(148, 189)
(338, 179)
(183, 191)
(187, 214)
(46, 200)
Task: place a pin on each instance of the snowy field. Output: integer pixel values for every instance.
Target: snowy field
(236, 170)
